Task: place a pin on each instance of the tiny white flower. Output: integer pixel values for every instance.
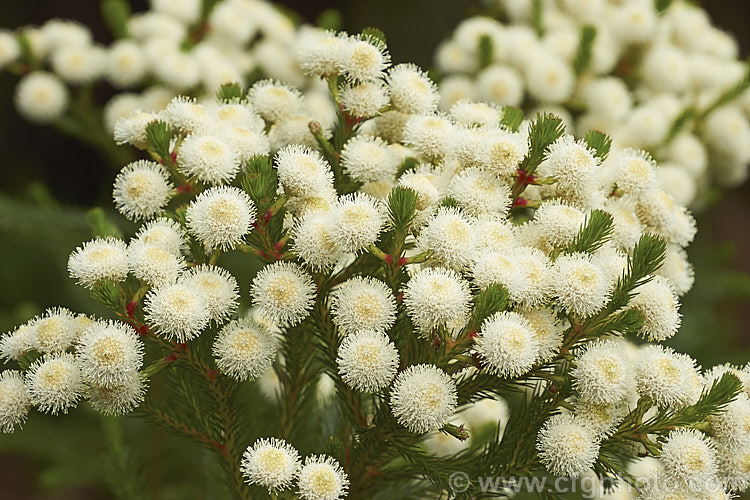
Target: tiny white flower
(367, 360)
(507, 344)
(657, 306)
(423, 398)
(365, 58)
(688, 457)
(220, 217)
(322, 478)
(41, 97)
(580, 286)
(275, 101)
(163, 233)
(367, 158)
(154, 265)
(244, 349)
(118, 399)
(108, 352)
(302, 171)
(359, 220)
(436, 297)
(602, 373)
(365, 99)
(142, 190)
(54, 331)
(412, 91)
(283, 292)
(480, 193)
(14, 401)
(272, 463)
(97, 260)
(218, 287)
(363, 303)
(177, 311)
(208, 158)
(567, 446)
(450, 236)
(55, 383)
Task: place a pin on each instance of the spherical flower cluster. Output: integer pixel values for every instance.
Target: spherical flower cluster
(423, 398)
(567, 446)
(644, 73)
(283, 292)
(245, 349)
(367, 360)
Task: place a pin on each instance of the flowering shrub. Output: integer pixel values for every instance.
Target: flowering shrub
(437, 293)
(656, 75)
(176, 47)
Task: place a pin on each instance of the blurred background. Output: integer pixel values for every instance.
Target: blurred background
(48, 183)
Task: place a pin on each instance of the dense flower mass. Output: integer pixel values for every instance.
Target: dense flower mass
(665, 81)
(411, 269)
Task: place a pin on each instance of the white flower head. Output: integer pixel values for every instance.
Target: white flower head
(98, 260)
(502, 152)
(493, 234)
(367, 360)
(14, 401)
(480, 192)
(366, 158)
(218, 287)
(186, 115)
(55, 383)
(580, 286)
(665, 376)
(220, 217)
(627, 228)
(365, 58)
(283, 292)
(177, 311)
(731, 427)
(436, 297)
(365, 99)
(423, 181)
(9, 48)
(657, 304)
(54, 331)
(530, 282)
(313, 242)
(567, 446)
(571, 163)
(79, 64)
(412, 91)
(245, 349)
(475, 114)
(142, 190)
(688, 457)
(363, 303)
(734, 466)
(635, 171)
(559, 223)
(163, 233)
(246, 142)
(131, 129)
(500, 85)
(108, 352)
(41, 97)
(450, 236)
(433, 136)
(507, 344)
(302, 171)
(125, 64)
(423, 398)
(154, 265)
(272, 463)
(359, 220)
(15, 344)
(548, 330)
(602, 373)
(322, 53)
(275, 101)
(208, 158)
(322, 478)
(118, 399)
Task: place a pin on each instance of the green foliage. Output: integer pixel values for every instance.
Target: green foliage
(101, 225)
(409, 163)
(512, 118)
(543, 131)
(537, 6)
(230, 92)
(402, 206)
(485, 51)
(116, 14)
(584, 52)
(600, 142)
(662, 5)
(259, 180)
(648, 256)
(330, 19)
(375, 33)
(489, 301)
(595, 232)
(159, 136)
(683, 120)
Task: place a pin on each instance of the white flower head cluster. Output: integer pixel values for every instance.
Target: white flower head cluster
(410, 265)
(275, 465)
(175, 47)
(665, 81)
